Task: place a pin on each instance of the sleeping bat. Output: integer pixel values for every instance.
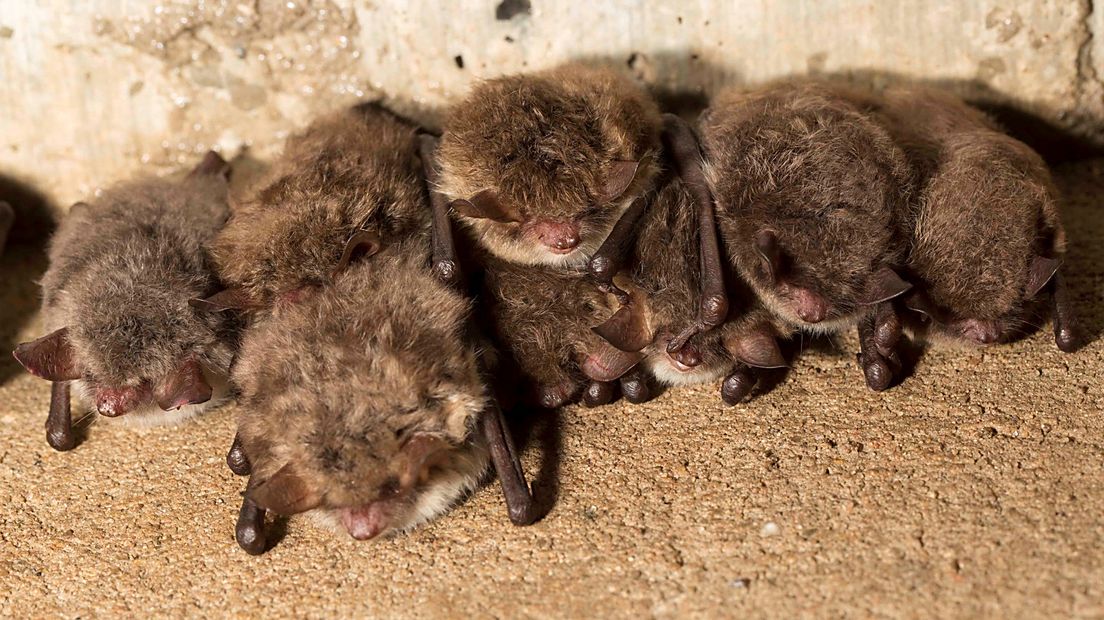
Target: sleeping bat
(115, 302)
(664, 286)
(7, 214)
(350, 182)
(808, 186)
(362, 402)
(344, 269)
(985, 229)
(539, 167)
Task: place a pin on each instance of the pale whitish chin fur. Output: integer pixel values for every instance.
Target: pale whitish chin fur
(528, 253)
(445, 490)
(151, 415)
(666, 373)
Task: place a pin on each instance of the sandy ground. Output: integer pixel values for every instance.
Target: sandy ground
(974, 489)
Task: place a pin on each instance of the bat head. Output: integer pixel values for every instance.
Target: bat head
(122, 270)
(987, 239)
(362, 402)
(807, 193)
(541, 166)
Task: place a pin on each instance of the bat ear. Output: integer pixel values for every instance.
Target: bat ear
(212, 164)
(485, 205)
(918, 301)
(420, 453)
(608, 363)
(363, 242)
(1042, 270)
(185, 385)
(618, 179)
(626, 329)
(770, 256)
(757, 348)
(227, 299)
(285, 493)
(50, 357)
(884, 285)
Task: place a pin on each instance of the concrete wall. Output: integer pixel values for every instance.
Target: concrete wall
(93, 89)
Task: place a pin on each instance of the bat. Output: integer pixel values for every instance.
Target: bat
(540, 167)
(986, 237)
(808, 187)
(7, 214)
(115, 302)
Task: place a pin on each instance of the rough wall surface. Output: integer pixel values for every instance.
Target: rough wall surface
(95, 89)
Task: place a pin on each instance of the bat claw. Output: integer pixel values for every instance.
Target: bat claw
(738, 386)
(249, 530)
(60, 440)
(635, 389)
(236, 459)
(879, 376)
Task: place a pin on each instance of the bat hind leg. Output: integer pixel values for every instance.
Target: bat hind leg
(515, 490)
(1066, 330)
(236, 459)
(59, 421)
(879, 335)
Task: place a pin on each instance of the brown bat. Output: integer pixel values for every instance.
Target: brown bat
(115, 299)
(539, 167)
(352, 185)
(808, 186)
(362, 402)
(986, 234)
(665, 285)
(349, 183)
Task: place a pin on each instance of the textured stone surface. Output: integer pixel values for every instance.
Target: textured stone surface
(975, 489)
(93, 90)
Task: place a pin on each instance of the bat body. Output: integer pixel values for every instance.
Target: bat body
(808, 187)
(352, 173)
(361, 400)
(115, 300)
(985, 229)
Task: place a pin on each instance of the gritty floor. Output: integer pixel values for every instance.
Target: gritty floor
(975, 489)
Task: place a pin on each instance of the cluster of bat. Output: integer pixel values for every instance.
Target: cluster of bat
(606, 250)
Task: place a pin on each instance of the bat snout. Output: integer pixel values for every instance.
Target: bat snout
(979, 331)
(365, 522)
(809, 306)
(113, 402)
(559, 237)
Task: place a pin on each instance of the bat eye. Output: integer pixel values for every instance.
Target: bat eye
(390, 488)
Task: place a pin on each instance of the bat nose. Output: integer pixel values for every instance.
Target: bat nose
(558, 236)
(981, 332)
(811, 307)
(364, 522)
(687, 357)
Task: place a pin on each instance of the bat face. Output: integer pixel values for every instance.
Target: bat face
(122, 271)
(352, 172)
(987, 239)
(364, 412)
(541, 166)
(807, 191)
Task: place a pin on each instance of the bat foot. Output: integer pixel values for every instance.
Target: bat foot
(738, 386)
(598, 393)
(249, 530)
(1067, 339)
(879, 375)
(236, 459)
(60, 440)
(635, 388)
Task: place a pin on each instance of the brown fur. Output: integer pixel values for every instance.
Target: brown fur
(356, 169)
(988, 207)
(335, 384)
(542, 318)
(545, 144)
(804, 160)
(122, 269)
